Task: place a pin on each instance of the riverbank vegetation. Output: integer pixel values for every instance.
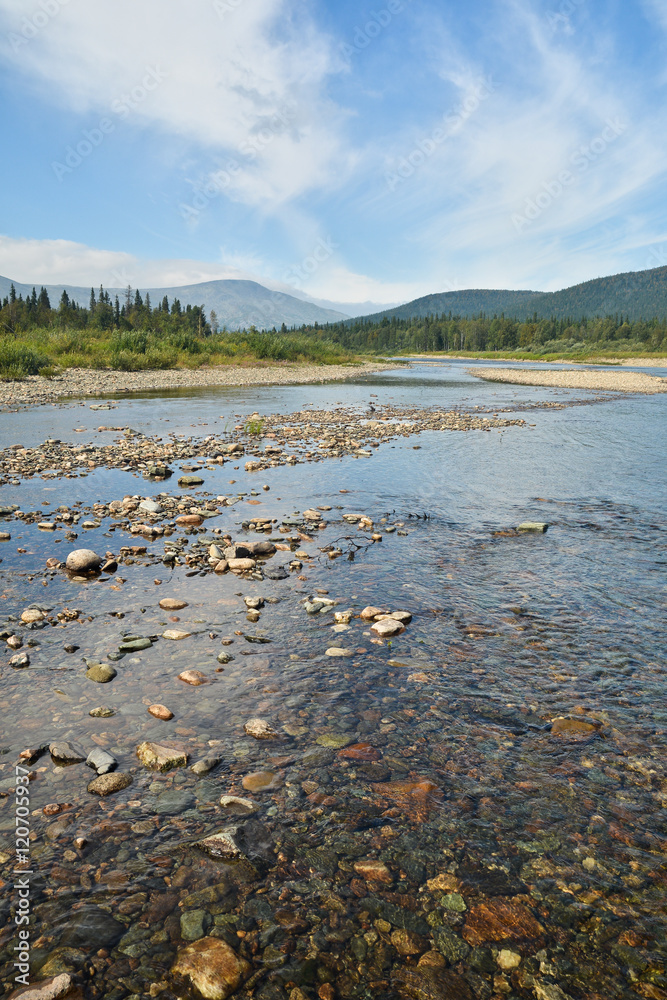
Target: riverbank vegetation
(137, 336)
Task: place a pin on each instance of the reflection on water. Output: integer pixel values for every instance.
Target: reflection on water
(426, 831)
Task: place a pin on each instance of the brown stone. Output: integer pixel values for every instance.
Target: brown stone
(262, 781)
(564, 726)
(407, 942)
(194, 677)
(499, 920)
(360, 751)
(190, 519)
(211, 968)
(47, 989)
(161, 712)
(416, 798)
(429, 982)
(172, 604)
(373, 871)
(369, 613)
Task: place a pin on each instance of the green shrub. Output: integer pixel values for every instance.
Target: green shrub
(17, 361)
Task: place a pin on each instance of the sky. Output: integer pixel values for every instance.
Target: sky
(349, 151)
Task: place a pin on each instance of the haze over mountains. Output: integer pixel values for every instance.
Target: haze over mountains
(237, 303)
(240, 304)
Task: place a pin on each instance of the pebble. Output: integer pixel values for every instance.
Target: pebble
(260, 729)
(172, 604)
(386, 627)
(176, 634)
(32, 615)
(261, 781)
(19, 660)
(107, 784)
(194, 677)
(135, 645)
(102, 712)
(161, 712)
(101, 673)
(235, 806)
(535, 526)
(336, 651)
(47, 989)
(160, 758)
(101, 761)
(65, 753)
(205, 765)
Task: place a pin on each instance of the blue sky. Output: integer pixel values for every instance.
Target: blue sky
(351, 151)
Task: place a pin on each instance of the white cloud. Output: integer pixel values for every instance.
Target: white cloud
(63, 262)
(239, 77)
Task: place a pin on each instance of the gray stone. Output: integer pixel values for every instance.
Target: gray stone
(449, 944)
(91, 928)
(19, 660)
(225, 657)
(190, 481)
(539, 527)
(150, 506)
(83, 561)
(64, 753)
(205, 765)
(101, 761)
(194, 924)
(134, 645)
(102, 712)
(174, 801)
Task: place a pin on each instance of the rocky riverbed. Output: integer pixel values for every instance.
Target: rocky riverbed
(336, 747)
(605, 381)
(37, 389)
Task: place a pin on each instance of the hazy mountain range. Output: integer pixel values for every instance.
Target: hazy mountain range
(242, 303)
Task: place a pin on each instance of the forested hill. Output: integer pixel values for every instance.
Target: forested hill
(635, 295)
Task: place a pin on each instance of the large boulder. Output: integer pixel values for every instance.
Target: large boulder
(83, 561)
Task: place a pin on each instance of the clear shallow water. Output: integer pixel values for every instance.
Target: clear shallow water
(551, 848)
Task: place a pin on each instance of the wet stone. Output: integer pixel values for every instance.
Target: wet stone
(211, 968)
(161, 712)
(83, 561)
(64, 753)
(101, 673)
(205, 765)
(172, 604)
(160, 758)
(174, 801)
(101, 761)
(107, 784)
(19, 661)
(193, 677)
(135, 645)
(498, 920)
(262, 781)
(194, 924)
(102, 712)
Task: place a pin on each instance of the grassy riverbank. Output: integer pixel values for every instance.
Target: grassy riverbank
(47, 351)
(609, 356)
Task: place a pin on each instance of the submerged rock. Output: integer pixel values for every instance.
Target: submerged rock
(64, 753)
(539, 527)
(160, 758)
(212, 968)
(107, 784)
(101, 673)
(260, 729)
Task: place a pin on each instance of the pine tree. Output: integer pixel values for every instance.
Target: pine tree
(12, 294)
(116, 313)
(93, 302)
